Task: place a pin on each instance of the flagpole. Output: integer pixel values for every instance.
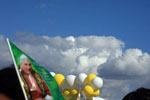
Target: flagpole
(11, 53)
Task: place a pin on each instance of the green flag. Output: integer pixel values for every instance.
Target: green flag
(45, 75)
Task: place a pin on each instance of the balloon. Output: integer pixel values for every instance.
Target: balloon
(70, 81)
(89, 78)
(96, 93)
(66, 92)
(88, 90)
(98, 98)
(52, 73)
(59, 79)
(81, 78)
(74, 91)
(97, 82)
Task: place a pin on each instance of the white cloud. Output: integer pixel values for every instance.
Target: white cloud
(133, 62)
(90, 54)
(114, 89)
(81, 54)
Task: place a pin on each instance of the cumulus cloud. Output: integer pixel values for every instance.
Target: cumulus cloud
(114, 89)
(81, 54)
(102, 55)
(133, 63)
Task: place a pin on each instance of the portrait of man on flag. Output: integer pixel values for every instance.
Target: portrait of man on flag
(35, 86)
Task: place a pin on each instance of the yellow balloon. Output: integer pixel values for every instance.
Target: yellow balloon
(74, 91)
(66, 92)
(59, 79)
(90, 77)
(96, 93)
(88, 90)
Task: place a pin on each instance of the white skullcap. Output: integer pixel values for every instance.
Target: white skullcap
(22, 58)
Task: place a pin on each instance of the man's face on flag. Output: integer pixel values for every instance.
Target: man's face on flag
(26, 66)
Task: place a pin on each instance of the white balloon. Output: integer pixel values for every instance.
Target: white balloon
(70, 80)
(98, 98)
(81, 78)
(97, 82)
(52, 73)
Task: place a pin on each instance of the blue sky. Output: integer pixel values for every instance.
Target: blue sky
(127, 20)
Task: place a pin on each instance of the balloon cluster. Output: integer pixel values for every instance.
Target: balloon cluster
(81, 86)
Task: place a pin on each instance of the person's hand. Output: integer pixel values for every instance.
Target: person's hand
(40, 99)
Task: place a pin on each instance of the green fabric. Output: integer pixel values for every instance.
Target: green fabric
(47, 77)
